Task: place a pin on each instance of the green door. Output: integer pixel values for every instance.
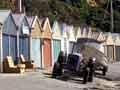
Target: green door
(56, 49)
(36, 52)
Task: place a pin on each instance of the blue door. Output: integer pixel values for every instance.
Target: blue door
(13, 48)
(5, 46)
(24, 47)
(56, 49)
(36, 52)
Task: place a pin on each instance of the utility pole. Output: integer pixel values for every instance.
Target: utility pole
(112, 19)
(20, 6)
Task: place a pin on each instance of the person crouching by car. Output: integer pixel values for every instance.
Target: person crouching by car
(58, 65)
(84, 66)
(91, 65)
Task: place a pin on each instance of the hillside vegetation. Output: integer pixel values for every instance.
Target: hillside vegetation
(76, 12)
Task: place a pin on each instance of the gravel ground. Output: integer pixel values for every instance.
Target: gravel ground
(113, 73)
(40, 81)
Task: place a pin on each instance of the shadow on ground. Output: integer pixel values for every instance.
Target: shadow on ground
(74, 79)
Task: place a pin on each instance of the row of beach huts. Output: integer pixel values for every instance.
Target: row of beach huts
(40, 41)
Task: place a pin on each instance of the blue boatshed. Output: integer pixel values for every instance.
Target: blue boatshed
(23, 35)
(9, 35)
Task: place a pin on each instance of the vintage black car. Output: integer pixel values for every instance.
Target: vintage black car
(74, 64)
(101, 62)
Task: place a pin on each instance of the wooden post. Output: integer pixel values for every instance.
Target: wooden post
(114, 48)
(1, 48)
(18, 42)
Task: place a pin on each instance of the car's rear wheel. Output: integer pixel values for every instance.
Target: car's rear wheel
(104, 71)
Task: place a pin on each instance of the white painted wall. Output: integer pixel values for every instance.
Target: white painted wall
(63, 45)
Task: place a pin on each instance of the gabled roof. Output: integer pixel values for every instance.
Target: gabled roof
(71, 33)
(44, 23)
(56, 30)
(78, 33)
(95, 35)
(117, 40)
(30, 20)
(75, 31)
(101, 37)
(3, 15)
(18, 18)
(64, 30)
(109, 39)
(54, 26)
(107, 35)
(89, 34)
(63, 27)
(68, 28)
(114, 35)
(84, 31)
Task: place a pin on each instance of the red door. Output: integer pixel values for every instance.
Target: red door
(47, 53)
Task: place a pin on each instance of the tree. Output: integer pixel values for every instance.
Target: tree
(74, 12)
